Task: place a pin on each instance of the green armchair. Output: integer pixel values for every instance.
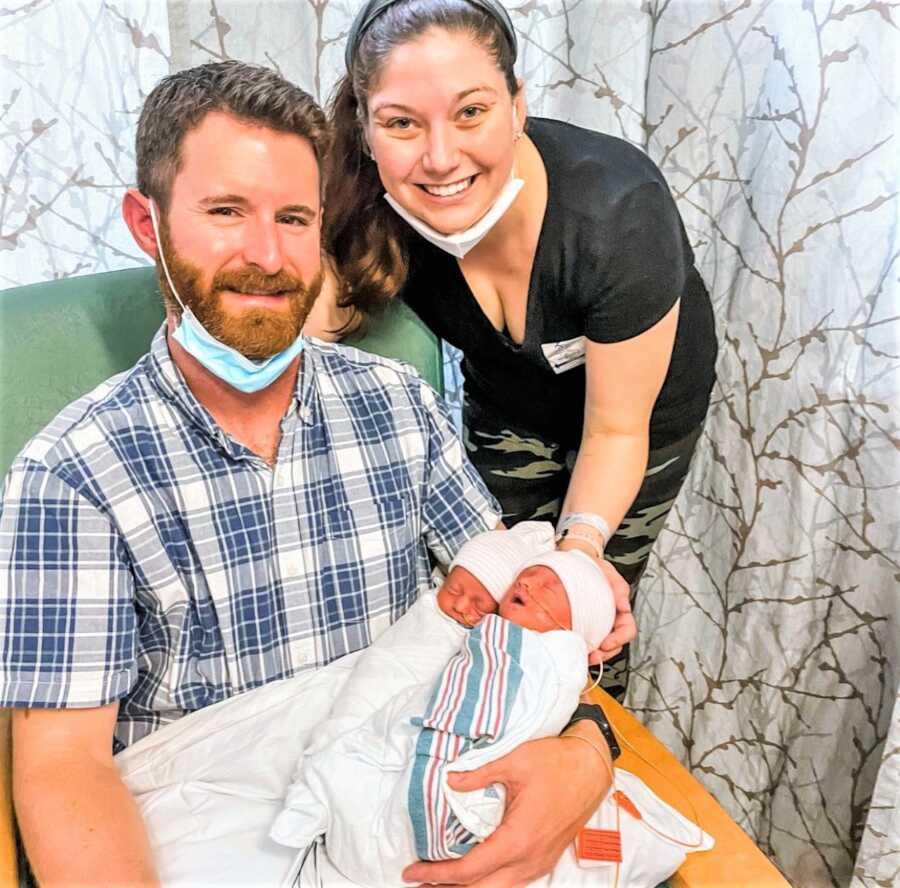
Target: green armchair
(61, 338)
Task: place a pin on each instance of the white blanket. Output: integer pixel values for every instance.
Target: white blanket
(647, 861)
(354, 787)
(211, 785)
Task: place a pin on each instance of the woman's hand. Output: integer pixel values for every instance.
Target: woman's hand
(624, 628)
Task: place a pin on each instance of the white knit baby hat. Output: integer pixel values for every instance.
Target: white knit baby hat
(493, 557)
(590, 595)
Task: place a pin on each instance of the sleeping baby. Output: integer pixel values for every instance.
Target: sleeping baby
(433, 696)
(485, 567)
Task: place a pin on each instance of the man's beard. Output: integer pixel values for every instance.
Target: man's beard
(256, 333)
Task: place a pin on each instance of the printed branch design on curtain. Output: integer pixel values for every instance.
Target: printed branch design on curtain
(781, 560)
(769, 649)
(74, 76)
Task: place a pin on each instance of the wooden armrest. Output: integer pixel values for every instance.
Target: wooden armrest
(8, 874)
(735, 860)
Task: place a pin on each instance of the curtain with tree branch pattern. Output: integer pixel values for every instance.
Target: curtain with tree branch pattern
(769, 648)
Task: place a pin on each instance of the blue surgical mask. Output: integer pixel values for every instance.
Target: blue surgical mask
(461, 242)
(223, 361)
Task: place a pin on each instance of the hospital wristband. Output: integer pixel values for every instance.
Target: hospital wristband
(590, 519)
(583, 538)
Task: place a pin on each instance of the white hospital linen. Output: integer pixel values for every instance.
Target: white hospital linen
(209, 786)
(411, 652)
(648, 858)
(354, 787)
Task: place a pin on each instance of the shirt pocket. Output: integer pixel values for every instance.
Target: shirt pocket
(370, 578)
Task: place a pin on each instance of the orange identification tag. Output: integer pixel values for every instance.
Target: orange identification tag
(626, 804)
(599, 844)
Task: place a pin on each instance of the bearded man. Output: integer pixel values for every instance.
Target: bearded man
(243, 504)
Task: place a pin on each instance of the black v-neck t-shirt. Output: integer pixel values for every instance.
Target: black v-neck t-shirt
(612, 259)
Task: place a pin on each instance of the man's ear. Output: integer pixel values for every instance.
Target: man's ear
(136, 213)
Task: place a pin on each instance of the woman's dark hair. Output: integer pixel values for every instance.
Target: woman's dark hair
(366, 238)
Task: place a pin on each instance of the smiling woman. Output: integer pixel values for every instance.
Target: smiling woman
(552, 256)
(445, 154)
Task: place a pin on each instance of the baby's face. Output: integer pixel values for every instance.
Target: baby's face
(464, 598)
(537, 600)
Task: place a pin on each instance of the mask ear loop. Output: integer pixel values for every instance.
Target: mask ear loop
(517, 135)
(162, 256)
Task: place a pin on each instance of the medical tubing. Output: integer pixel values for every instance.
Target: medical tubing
(614, 789)
(684, 798)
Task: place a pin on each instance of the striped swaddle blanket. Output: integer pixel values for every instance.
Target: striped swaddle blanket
(469, 708)
(433, 698)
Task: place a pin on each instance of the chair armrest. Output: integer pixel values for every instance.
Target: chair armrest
(735, 860)
(8, 874)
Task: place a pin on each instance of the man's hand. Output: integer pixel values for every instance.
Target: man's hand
(624, 628)
(552, 787)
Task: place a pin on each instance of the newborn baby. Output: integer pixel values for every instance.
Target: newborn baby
(516, 676)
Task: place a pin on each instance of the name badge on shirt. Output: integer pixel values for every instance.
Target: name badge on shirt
(565, 355)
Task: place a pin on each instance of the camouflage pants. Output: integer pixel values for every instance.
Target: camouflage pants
(529, 475)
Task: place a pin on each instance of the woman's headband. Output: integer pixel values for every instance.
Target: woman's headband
(374, 8)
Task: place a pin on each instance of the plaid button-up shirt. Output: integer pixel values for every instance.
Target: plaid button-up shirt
(148, 557)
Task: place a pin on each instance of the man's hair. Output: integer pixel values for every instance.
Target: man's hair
(251, 93)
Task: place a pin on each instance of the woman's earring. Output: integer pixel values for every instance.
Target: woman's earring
(517, 133)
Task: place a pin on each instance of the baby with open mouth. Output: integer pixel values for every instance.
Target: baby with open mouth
(518, 574)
